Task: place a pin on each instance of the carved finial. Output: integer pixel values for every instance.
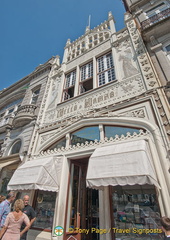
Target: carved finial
(87, 29)
(57, 60)
(68, 42)
(110, 16)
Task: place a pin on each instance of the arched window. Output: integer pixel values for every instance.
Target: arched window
(92, 133)
(59, 144)
(15, 147)
(86, 134)
(111, 131)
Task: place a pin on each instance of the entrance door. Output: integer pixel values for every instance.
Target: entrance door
(83, 205)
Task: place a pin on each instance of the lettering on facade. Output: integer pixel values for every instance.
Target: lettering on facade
(110, 95)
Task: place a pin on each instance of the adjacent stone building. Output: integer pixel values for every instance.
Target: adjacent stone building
(19, 108)
(98, 154)
(152, 19)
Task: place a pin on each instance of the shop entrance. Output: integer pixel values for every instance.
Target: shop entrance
(83, 204)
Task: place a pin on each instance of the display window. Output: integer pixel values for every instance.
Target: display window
(44, 205)
(5, 176)
(135, 213)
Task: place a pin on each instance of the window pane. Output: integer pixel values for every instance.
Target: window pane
(85, 134)
(109, 60)
(168, 48)
(45, 205)
(100, 64)
(60, 144)
(111, 75)
(106, 71)
(35, 96)
(70, 79)
(101, 79)
(86, 71)
(16, 147)
(111, 131)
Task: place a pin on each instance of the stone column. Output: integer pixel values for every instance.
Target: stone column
(94, 73)
(76, 87)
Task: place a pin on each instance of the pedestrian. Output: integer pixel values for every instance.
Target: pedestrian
(165, 222)
(29, 211)
(13, 222)
(5, 207)
(2, 198)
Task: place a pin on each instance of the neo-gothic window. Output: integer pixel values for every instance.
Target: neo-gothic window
(105, 67)
(69, 85)
(35, 96)
(86, 72)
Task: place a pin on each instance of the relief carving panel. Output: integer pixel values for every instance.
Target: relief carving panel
(103, 97)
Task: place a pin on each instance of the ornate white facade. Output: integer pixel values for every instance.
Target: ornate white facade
(105, 93)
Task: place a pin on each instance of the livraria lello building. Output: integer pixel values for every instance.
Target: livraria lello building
(88, 138)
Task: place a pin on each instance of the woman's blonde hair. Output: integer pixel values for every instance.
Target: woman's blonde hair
(18, 205)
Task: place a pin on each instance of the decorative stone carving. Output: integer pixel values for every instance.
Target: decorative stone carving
(141, 54)
(54, 93)
(140, 113)
(44, 138)
(103, 97)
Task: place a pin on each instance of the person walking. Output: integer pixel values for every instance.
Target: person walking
(13, 222)
(29, 211)
(165, 222)
(5, 207)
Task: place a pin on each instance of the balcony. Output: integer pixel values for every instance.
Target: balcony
(155, 19)
(25, 114)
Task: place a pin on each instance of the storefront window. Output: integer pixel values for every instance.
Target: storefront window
(5, 177)
(111, 131)
(136, 211)
(44, 208)
(85, 134)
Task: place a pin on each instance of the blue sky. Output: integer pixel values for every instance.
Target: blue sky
(32, 31)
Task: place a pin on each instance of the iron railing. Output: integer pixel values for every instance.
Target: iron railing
(155, 19)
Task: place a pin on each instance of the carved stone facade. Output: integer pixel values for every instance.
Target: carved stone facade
(122, 102)
(19, 108)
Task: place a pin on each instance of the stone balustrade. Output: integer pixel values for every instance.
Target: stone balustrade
(25, 114)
